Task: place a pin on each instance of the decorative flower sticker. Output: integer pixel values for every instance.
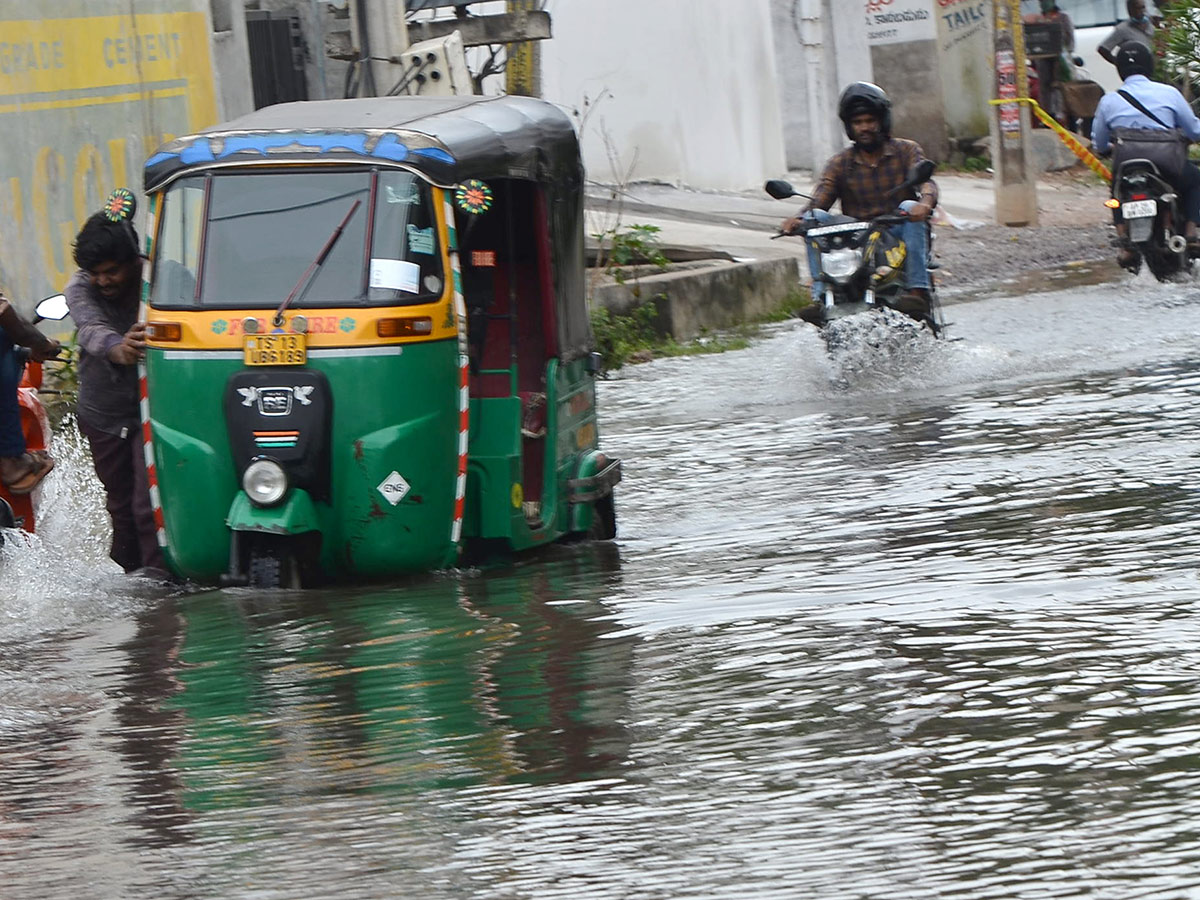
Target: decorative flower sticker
(347, 325)
(120, 205)
(219, 326)
(473, 197)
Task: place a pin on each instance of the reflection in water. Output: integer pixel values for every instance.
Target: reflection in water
(443, 682)
(919, 624)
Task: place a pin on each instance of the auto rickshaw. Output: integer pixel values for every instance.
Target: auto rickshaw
(368, 346)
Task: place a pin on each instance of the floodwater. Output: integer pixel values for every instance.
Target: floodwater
(915, 621)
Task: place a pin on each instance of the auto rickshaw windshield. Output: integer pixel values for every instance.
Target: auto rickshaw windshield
(244, 239)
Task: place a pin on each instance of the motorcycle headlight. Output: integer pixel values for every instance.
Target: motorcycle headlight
(264, 482)
(840, 265)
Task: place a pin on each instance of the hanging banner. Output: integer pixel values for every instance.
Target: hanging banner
(900, 21)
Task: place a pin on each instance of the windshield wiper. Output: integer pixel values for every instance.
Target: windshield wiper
(310, 272)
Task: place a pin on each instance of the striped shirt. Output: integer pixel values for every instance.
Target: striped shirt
(863, 186)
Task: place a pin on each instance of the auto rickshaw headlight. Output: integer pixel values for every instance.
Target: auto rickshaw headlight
(264, 482)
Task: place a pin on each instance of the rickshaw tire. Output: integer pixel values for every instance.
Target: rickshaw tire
(272, 569)
(604, 519)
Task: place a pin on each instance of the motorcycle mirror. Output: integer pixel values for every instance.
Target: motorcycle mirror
(921, 172)
(779, 189)
(54, 307)
(918, 174)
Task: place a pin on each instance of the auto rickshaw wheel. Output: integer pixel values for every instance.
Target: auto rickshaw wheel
(272, 567)
(604, 519)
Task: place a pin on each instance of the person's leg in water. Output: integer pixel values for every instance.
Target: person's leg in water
(110, 458)
(916, 300)
(815, 311)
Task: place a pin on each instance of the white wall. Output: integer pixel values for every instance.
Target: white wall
(821, 46)
(680, 91)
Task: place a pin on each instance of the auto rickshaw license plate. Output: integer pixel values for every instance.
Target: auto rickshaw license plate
(274, 350)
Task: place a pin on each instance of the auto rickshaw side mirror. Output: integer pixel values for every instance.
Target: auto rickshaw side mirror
(53, 307)
(595, 363)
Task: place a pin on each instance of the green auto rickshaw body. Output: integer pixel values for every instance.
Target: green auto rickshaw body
(368, 341)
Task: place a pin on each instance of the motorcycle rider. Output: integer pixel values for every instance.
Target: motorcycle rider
(861, 177)
(20, 471)
(1118, 117)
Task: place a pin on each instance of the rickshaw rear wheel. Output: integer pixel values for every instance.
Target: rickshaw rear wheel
(604, 519)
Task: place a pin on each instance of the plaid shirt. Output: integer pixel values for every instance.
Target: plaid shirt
(862, 187)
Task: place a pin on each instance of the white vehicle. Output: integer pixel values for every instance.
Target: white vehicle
(1093, 21)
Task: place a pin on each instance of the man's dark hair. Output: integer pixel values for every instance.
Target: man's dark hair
(101, 240)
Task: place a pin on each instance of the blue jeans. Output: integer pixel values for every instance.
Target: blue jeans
(12, 438)
(916, 242)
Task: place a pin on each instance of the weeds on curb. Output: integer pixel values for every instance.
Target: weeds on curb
(635, 337)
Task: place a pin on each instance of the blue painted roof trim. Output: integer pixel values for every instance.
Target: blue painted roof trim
(203, 148)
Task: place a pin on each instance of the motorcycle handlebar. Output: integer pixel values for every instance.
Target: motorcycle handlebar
(886, 219)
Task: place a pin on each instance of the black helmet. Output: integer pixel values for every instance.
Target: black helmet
(1134, 58)
(864, 97)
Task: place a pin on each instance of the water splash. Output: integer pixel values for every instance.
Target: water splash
(62, 575)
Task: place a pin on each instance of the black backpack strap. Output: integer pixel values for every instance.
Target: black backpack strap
(1133, 101)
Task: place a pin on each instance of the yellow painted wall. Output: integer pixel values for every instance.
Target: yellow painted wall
(83, 101)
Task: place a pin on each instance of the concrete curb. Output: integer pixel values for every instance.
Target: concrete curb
(707, 298)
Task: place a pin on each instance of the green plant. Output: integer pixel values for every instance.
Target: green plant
(629, 245)
(635, 337)
(1179, 60)
(60, 382)
(619, 337)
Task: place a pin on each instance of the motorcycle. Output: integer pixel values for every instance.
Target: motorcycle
(1154, 217)
(862, 262)
(18, 510)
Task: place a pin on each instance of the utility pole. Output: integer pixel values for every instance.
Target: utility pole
(380, 38)
(523, 72)
(1014, 179)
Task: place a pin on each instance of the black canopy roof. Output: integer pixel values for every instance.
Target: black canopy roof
(446, 139)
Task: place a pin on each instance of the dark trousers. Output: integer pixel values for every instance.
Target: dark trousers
(12, 438)
(121, 466)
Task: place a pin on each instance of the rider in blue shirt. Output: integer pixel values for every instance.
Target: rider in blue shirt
(1135, 64)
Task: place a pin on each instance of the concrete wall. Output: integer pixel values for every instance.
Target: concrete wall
(88, 89)
(904, 54)
(820, 47)
(680, 91)
(965, 54)
(710, 298)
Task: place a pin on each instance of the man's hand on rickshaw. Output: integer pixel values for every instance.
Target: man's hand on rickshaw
(132, 346)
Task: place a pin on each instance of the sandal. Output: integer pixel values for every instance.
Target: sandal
(40, 464)
(1129, 259)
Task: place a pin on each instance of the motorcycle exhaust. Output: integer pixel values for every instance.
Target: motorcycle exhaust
(1177, 243)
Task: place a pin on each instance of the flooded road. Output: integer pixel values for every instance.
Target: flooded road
(918, 620)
